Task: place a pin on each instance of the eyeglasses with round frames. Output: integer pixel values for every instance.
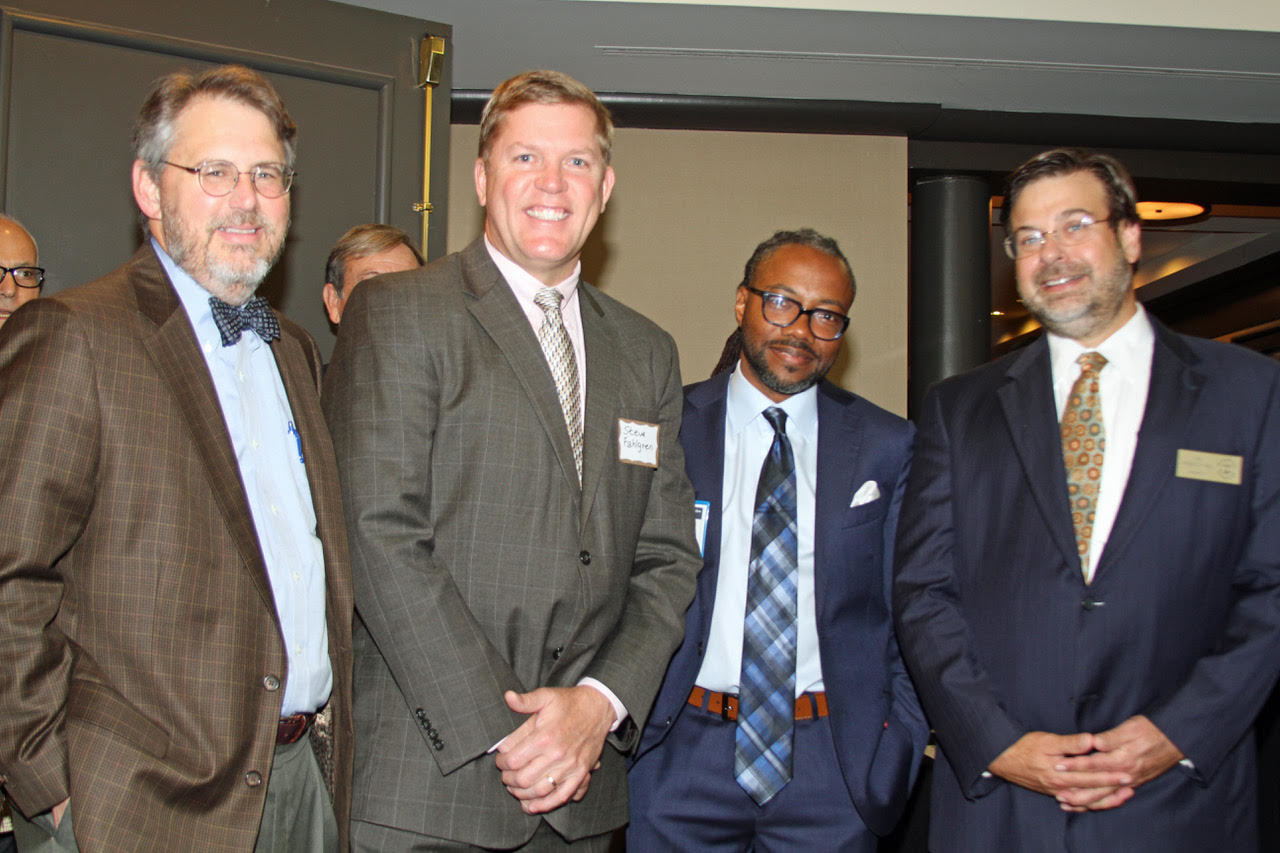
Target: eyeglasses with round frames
(220, 177)
(24, 276)
(1030, 241)
(779, 310)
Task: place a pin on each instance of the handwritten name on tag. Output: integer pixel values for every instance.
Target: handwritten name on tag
(1211, 467)
(637, 443)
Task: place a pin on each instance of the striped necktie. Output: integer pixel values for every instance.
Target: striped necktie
(558, 350)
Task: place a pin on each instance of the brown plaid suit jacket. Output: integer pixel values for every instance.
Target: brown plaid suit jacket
(138, 625)
(478, 564)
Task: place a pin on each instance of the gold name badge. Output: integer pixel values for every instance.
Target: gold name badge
(1211, 467)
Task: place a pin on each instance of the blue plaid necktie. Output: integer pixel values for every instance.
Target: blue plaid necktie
(766, 691)
(255, 314)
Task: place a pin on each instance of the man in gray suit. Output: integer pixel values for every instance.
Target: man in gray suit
(522, 525)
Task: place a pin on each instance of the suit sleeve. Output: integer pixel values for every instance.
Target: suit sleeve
(973, 727)
(49, 432)
(634, 658)
(1211, 710)
(382, 401)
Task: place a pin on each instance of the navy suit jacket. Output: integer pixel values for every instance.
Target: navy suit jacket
(879, 730)
(1181, 622)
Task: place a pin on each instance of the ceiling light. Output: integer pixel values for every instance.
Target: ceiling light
(1165, 211)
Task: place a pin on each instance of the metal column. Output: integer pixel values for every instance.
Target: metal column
(950, 327)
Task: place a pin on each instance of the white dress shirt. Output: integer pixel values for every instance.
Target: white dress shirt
(1122, 384)
(747, 439)
(269, 454)
(525, 287)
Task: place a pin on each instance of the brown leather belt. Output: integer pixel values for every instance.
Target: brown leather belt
(808, 705)
(293, 727)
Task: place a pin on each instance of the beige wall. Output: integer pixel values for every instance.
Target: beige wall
(690, 206)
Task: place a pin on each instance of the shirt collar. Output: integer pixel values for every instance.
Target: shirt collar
(745, 402)
(524, 284)
(1127, 346)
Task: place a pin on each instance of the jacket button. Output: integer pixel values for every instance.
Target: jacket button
(584, 557)
(253, 778)
(1091, 603)
(555, 654)
(271, 683)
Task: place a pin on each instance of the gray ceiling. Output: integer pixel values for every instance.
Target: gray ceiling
(958, 63)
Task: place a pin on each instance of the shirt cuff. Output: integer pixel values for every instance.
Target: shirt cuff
(619, 710)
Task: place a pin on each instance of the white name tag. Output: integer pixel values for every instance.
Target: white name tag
(637, 443)
(1212, 467)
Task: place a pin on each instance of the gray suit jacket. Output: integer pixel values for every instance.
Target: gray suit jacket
(480, 566)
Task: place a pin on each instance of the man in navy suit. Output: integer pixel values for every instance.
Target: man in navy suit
(1088, 581)
(850, 730)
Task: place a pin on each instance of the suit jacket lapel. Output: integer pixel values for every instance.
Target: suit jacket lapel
(1171, 398)
(495, 308)
(604, 372)
(180, 363)
(1026, 396)
(839, 447)
(702, 435)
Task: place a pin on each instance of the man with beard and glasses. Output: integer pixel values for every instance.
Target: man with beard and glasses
(1089, 555)
(786, 720)
(175, 581)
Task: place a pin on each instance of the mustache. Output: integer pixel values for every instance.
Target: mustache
(1061, 270)
(794, 343)
(239, 219)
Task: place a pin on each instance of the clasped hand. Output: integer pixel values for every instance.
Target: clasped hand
(1089, 772)
(548, 760)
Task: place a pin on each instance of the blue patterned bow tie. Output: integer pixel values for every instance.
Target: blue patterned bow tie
(255, 314)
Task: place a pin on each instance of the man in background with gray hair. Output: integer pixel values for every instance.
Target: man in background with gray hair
(361, 253)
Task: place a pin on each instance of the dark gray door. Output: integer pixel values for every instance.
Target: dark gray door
(74, 72)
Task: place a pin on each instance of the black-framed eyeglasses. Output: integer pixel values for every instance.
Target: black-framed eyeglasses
(24, 276)
(219, 177)
(779, 310)
(1030, 241)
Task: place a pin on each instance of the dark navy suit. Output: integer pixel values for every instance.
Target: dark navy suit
(1181, 622)
(878, 730)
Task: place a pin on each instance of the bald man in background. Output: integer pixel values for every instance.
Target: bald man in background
(18, 256)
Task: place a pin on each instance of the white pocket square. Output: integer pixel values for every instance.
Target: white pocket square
(866, 493)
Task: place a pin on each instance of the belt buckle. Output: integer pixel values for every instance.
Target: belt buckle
(729, 709)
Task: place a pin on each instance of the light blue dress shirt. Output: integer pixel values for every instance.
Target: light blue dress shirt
(268, 451)
(747, 439)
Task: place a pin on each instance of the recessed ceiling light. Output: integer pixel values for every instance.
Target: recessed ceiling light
(1167, 210)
